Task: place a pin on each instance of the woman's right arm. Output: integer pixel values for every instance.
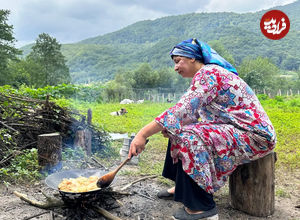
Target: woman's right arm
(201, 92)
(138, 143)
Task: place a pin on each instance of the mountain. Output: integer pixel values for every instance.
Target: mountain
(99, 58)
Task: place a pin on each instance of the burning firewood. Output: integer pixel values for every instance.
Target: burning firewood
(51, 202)
(105, 213)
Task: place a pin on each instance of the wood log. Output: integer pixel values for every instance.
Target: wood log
(106, 214)
(49, 152)
(251, 187)
(51, 202)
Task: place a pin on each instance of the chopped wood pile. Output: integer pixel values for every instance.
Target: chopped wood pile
(22, 119)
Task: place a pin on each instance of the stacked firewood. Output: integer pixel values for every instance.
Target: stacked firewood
(22, 119)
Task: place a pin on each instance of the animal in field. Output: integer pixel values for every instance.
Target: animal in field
(126, 101)
(122, 111)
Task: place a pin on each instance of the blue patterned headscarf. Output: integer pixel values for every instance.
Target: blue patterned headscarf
(193, 48)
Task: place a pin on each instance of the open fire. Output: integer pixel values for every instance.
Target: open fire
(89, 208)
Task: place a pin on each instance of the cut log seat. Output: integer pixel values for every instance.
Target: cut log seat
(251, 186)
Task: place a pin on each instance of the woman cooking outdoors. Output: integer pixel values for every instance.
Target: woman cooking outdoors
(217, 125)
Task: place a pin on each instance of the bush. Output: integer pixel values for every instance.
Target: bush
(23, 168)
(262, 97)
(279, 98)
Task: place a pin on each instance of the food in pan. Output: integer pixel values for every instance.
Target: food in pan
(78, 185)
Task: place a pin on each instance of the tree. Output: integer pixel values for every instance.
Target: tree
(125, 78)
(166, 77)
(297, 81)
(291, 63)
(219, 47)
(47, 52)
(114, 91)
(7, 50)
(145, 77)
(26, 72)
(260, 73)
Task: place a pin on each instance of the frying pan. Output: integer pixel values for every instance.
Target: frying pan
(55, 179)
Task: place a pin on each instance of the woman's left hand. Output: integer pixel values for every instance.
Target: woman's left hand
(165, 133)
(137, 146)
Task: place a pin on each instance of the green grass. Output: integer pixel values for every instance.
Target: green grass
(283, 112)
(285, 117)
(282, 193)
(138, 115)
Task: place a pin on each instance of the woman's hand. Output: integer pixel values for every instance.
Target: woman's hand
(138, 143)
(165, 133)
(137, 146)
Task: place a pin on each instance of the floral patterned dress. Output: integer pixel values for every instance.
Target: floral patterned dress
(217, 125)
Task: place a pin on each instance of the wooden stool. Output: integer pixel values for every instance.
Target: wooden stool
(251, 186)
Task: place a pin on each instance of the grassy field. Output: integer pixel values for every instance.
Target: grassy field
(284, 114)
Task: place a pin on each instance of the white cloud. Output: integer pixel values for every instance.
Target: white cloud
(241, 6)
(74, 20)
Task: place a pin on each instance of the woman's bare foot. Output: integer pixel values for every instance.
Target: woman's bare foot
(191, 212)
(167, 194)
(171, 190)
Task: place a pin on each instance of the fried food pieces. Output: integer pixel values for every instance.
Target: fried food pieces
(79, 184)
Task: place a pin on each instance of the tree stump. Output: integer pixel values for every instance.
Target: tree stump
(83, 137)
(251, 187)
(79, 140)
(49, 152)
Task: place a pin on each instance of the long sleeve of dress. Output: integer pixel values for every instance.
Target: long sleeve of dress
(202, 91)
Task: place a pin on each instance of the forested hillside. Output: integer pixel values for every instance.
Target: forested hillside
(99, 58)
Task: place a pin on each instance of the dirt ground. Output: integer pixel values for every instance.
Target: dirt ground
(143, 203)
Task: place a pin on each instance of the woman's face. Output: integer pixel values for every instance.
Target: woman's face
(184, 66)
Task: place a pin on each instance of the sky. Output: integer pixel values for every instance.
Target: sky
(70, 21)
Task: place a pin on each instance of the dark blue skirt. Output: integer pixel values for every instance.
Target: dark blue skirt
(187, 191)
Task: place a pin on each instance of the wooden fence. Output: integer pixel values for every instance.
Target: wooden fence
(279, 92)
(154, 95)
